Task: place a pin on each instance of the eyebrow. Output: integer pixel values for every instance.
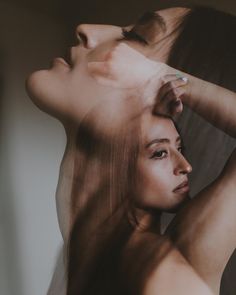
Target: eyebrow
(161, 140)
(152, 16)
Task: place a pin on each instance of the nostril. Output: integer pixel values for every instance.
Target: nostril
(82, 39)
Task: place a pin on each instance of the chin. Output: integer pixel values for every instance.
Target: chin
(33, 86)
(45, 92)
(177, 207)
(41, 89)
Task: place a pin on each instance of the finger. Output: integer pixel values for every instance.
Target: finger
(176, 107)
(171, 96)
(175, 102)
(171, 103)
(101, 72)
(172, 77)
(175, 94)
(99, 69)
(168, 86)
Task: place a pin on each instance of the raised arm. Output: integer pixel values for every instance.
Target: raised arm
(204, 230)
(215, 104)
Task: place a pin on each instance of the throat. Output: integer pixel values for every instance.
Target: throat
(147, 220)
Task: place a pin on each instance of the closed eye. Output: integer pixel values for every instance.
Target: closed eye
(132, 35)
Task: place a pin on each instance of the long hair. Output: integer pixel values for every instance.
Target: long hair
(101, 203)
(104, 173)
(206, 46)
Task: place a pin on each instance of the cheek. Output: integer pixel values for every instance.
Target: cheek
(153, 185)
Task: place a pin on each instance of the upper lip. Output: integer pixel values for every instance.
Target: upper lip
(184, 183)
(67, 57)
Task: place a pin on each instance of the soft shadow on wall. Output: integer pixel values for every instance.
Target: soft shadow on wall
(31, 143)
(10, 270)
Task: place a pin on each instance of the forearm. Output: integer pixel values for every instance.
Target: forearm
(215, 104)
(204, 230)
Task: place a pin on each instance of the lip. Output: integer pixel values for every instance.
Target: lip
(68, 56)
(65, 60)
(60, 60)
(182, 188)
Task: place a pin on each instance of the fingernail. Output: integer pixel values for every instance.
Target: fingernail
(179, 76)
(185, 79)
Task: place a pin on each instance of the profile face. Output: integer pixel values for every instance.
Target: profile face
(58, 89)
(162, 178)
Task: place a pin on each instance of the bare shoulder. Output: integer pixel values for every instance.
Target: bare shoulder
(204, 230)
(153, 264)
(174, 275)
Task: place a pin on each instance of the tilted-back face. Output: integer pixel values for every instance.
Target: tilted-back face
(60, 89)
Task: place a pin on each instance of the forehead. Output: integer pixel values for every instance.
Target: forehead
(153, 127)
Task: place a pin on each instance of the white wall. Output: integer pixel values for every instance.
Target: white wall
(31, 147)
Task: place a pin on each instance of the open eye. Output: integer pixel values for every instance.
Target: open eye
(132, 35)
(159, 154)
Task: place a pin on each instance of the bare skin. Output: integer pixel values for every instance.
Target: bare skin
(172, 271)
(100, 38)
(189, 258)
(223, 117)
(201, 230)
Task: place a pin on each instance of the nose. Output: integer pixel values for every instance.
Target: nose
(91, 36)
(182, 166)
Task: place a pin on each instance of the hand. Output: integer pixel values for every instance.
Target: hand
(168, 101)
(124, 67)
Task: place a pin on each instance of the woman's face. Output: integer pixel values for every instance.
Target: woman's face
(162, 167)
(58, 89)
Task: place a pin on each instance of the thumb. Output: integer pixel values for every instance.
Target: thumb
(101, 72)
(99, 69)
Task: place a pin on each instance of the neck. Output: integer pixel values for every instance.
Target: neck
(147, 220)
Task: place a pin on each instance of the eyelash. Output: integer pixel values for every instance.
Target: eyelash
(132, 35)
(154, 155)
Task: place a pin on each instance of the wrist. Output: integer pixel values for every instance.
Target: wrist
(161, 69)
(187, 79)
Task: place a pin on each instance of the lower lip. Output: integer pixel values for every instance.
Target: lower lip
(182, 190)
(60, 60)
